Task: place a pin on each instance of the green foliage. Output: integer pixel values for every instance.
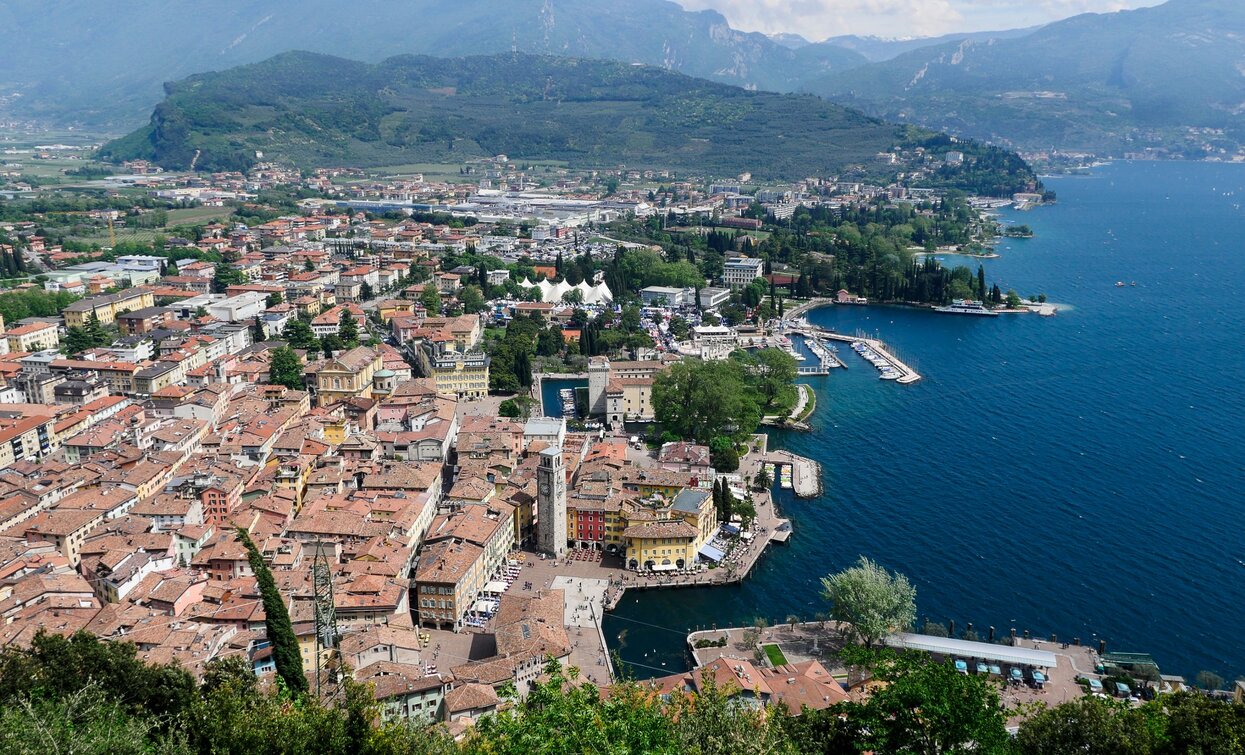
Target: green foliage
(18, 305)
(285, 368)
(724, 454)
(472, 299)
(926, 706)
(226, 275)
(430, 298)
(702, 401)
(285, 652)
(509, 408)
(348, 329)
(299, 335)
(870, 600)
(313, 109)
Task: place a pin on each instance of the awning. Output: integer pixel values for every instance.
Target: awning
(482, 606)
(745, 536)
(711, 553)
(987, 651)
(496, 586)
(663, 567)
(730, 528)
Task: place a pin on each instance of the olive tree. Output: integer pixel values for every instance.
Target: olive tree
(870, 600)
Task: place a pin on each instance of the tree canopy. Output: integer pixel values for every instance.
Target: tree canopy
(870, 600)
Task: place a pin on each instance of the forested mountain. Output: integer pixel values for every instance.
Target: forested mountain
(313, 109)
(1119, 82)
(102, 64)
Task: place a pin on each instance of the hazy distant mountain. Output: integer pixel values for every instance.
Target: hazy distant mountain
(1112, 82)
(791, 41)
(880, 48)
(103, 63)
(312, 109)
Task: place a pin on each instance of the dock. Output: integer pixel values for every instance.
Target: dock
(907, 375)
(806, 473)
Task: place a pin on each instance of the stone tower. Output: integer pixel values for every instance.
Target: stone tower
(551, 503)
(598, 380)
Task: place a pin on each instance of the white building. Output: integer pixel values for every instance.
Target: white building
(740, 271)
(244, 306)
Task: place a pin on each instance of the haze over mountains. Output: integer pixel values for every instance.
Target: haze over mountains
(1111, 83)
(104, 63)
(1152, 77)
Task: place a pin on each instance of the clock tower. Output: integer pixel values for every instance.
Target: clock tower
(551, 503)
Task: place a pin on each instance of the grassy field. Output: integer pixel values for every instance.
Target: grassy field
(199, 215)
(774, 653)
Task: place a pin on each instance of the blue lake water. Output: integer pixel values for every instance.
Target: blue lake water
(1081, 475)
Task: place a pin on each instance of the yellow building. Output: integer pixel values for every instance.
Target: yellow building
(36, 336)
(107, 307)
(461, 374)
(348, 375)
(670, 539)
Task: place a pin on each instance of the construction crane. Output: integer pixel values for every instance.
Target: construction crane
(328, 660)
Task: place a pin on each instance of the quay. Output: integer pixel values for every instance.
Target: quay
(805, 473)
(907, 375)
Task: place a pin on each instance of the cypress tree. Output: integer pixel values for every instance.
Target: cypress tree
(277, 622)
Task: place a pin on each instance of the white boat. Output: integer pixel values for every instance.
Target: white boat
(967, 307)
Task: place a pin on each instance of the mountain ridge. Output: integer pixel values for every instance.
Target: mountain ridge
(311, 110)
(1110, 83)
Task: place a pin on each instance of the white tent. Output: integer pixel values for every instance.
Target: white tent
(552, 293)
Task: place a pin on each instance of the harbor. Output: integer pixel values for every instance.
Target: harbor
(873, 350)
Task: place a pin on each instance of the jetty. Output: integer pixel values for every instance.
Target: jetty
(805, 473)
(907, 375)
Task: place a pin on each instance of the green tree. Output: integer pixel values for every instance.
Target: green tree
(285, 652)
(258, 333)
(1087, 724)
(508, 408)
(299, 335)
(926, 707)
(472, 299)
(273, 299)
(430, 298)
(226, 275)
(285, 368)
(870, 600)
(365, 292)
(573, 296)
(725, 456)
(703, 400)
(348, 329)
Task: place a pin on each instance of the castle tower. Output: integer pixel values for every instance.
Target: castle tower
(551, 503)
(598, 379)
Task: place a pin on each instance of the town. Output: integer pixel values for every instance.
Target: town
(427, 404)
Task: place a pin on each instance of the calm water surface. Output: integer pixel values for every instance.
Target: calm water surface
(1082, 475)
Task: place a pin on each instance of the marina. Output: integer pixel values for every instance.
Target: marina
(872, 350)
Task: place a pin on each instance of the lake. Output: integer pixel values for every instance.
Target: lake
(1081, 475)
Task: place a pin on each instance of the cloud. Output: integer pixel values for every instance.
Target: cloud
(818, 19)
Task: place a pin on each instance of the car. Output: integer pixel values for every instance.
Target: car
(995, 670)
(982, 669)
(1095, 685)
(1015, 674)
(961, 667)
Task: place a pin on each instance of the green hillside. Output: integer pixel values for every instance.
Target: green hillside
(312, 109)
(1153, 77)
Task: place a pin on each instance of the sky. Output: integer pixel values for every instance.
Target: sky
(817, 19)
